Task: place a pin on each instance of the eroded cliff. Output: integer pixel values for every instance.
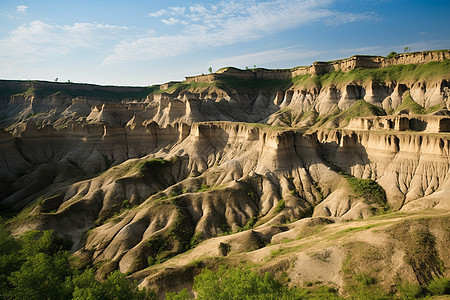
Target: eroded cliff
(133, 177)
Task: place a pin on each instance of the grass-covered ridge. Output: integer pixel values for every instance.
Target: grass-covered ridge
(409, 105)
(368, 189)
(360, 108)
(43, 89)
(411, 72)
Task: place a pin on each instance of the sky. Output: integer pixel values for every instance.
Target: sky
(141, 43)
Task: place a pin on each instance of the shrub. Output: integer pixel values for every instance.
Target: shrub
(237, 284)
(368, 189)
(280, 206)
(439, 286)
(392, 54)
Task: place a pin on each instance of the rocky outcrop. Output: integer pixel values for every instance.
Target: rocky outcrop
(401, 123)
(273, 164)
(320, 68)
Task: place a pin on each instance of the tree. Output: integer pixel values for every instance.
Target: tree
(407, 49)
(237, 284)
(56, 79)
(10, 259)
(37, 266)
(392, 54)
(210, 69)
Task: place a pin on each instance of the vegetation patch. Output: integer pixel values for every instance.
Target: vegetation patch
(235, 83)
(411, 72)
(81, 90)
(434, 108)
(368, 189)
(420, 249)
(280, 206)
(178, 239)
(409, 105)
(37, 265)
(246, 284)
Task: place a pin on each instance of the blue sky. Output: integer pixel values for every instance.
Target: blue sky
(149, 42)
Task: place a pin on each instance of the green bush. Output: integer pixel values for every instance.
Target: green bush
(245, 284)
(439, 286)
(237, 284)
(410, 291)
(37, 266)
(280, 206)
(392, 54)
(368, 189)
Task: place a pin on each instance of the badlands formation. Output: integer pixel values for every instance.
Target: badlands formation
(285, 171)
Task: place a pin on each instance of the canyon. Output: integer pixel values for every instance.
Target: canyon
(285, 171)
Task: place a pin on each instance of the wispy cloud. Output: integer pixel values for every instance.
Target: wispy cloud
(265, 57)
(170, 21)
(426, 45)
(22, 9)
(361, 50)
(38, 40)
(226, 23)
(159, 13)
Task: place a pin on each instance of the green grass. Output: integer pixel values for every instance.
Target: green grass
(79, 90)
(409, 105)
(346, 231)
(368, 189)
(185, 86)
(411, 72)
(360, 108)
(230, 83)
(280, 206)
(434, 108)
(254, 83)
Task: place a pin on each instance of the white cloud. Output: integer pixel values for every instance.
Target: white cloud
(360, 50)
(425, 45)
(177, 10)
(229, 22)
(159, 13)
(170, 21)
(22, 9)
(38, 40)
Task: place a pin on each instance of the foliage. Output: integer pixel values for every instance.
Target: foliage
(392, 73)
(245, 284)
(423, 256)
(280, 206)
(152, 163)
(234, 283)
(392, 54)
(235, 83)
(80, 90)
(371, 191)
(409, 105)
(249, 225)
(360, 108)
(182, 295)
(176, 240)
(203, 188)
(37, 266)
(196, 239)
(439, 286)
(434, 108)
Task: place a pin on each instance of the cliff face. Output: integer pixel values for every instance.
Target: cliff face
(134, 176)
(210, 178)
(407, 165)
(278, 97)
